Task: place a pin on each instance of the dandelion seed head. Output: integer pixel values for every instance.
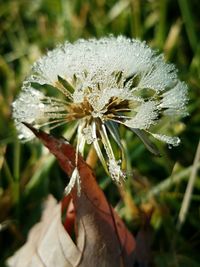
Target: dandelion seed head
(114, 79)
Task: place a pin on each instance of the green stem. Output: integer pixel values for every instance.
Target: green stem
(8, 174)
(16, 174)
(167, 183)
(188, 193)
(189, 25)
(136, 18)
(16, 163)
(161, 28)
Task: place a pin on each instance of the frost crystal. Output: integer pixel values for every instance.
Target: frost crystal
(115, 170)
(87, 132)
(174, 141)
(103, 84)
(146, 116)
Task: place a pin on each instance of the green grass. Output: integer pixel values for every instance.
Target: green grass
(28, 173)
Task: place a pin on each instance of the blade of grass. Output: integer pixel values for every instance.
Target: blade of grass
(8, 174)
(46, 163)
(117, 9)
(16, 162)
(161, 26)
(167, 183)
(195, 64)
(189, 23)
(172, 39)
(136, 17)
(188, 193)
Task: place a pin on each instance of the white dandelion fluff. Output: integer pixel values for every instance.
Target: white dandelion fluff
(103, 83)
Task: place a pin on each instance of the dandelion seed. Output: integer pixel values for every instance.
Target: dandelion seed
(103, 84)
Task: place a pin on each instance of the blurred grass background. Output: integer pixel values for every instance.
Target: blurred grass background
(156, 186)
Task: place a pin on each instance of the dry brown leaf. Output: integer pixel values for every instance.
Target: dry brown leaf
(102, 240)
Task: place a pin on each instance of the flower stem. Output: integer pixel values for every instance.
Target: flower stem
(92, 157)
